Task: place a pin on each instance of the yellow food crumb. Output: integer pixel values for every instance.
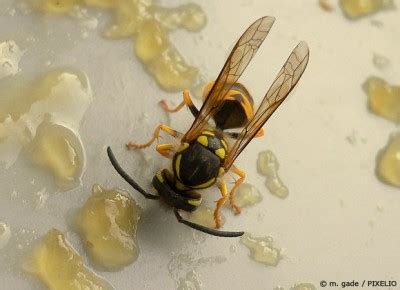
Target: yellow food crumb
(247, 195)
(204, 216)
(383, 98)
(358, 8)
(267, 165)
(262, 249)
(58, 266)
(149, 25)
(107, 224)
(388, 162)
(59, 150)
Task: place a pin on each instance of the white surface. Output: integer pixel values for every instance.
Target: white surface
(325, 223)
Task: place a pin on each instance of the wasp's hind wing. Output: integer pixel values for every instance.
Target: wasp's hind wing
(241, 55)
(286, 80)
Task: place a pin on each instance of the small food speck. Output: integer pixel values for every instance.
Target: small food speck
(383, 98)
(381, 62)
(388, 162)
(60, 267)
(10, 56)
(268, 165)
(204, 216)
(303, 286)
(189, 282)
(5, 234)
(262, 249)
(107, 224)
(247, 195)
(358, 8)
(325, 5)
(41, 198)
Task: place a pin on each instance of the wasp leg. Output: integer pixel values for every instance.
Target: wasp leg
(260, 133)
(165, 149)
(186, 101)
(156, 134)
(220, 203)
(235, 135)
(242, 176)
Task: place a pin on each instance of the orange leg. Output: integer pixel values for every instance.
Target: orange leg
(242, 176)
(220, 203)
(165, 150)
(260, 133)
(186, 101)
(156, 135)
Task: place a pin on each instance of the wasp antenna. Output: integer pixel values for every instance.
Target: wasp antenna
(206, 229)
(127, 178)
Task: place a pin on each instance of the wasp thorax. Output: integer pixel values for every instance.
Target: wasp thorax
(197, 165)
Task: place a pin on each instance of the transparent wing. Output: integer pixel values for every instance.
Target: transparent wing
(242, 53)
(287, 78)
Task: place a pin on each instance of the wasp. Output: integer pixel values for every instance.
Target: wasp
(207, 152)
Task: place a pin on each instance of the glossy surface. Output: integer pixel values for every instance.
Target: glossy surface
(59, 267)
(332, 183)
(107, 224)
(150, 24)
(388, 162)
(262, 249)
(358, 8)
(268, 165)
(383, 98)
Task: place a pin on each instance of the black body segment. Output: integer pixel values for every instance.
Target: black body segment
(236, 108)
(196, 165)
(173, 196)
(231, 115)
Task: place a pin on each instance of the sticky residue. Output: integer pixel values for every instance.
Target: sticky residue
(150, 25)
(205, 216)
(359, 8)
(55, 102)
(107, 224)
(5, 234)
(189, 282)
(59, 266)
(380, 61)
(41, 198)
(388, 162)
(383, 98)
(303, 286)
(58, 150)
(183, 268)
(268, 165)
(262, 249)
(10, 55)
(247, 195)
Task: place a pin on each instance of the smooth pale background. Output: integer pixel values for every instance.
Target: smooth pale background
(325, 223)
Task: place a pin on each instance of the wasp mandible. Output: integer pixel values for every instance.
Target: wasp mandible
(206, 152)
